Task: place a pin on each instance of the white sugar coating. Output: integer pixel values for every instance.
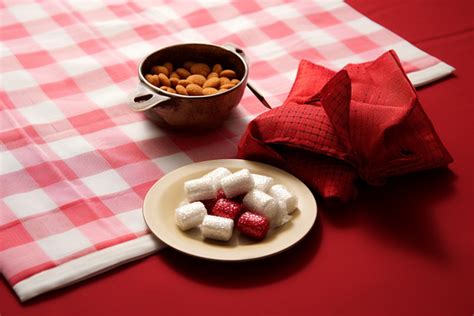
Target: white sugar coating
(218, 228)
(262, 183)
(216, 175)
(260, 202)
(278, 220)
(237, 183)
(200, 189)
(281, 193)
(190, 215)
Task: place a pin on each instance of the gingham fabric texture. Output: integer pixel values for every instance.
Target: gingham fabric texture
(364, 121)
(76, 162)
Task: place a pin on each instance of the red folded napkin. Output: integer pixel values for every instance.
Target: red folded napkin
(364, 121)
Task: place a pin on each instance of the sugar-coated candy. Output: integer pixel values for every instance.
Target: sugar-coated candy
(209, 204)
(262, 183)
(237, 183)
(281, 193)
(227, 208)
(280, 214)
(217, 174)
(253, 225)
(216, 227)
(200, 189)
(260, 202)
(190, 215)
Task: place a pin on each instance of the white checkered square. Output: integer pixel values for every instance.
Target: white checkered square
(42, 113)
(29, 203)
(28, 12)
(65, 244)
(172, 162)
(133, 220)
(109, 96)
(137, 51)
(70, 147)
(16, 80)
(77, 66)
(106, 182)
(57, 38)
(141, 130)
(8, 162)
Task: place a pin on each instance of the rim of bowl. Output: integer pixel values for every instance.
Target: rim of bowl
(175, 95)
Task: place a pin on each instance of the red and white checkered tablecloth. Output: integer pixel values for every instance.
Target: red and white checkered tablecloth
(76, 162)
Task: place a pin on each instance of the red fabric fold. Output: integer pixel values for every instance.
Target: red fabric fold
(364, 121)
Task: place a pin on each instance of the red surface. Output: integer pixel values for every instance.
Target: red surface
(403, 249)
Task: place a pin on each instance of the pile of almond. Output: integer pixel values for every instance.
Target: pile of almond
(192, 78)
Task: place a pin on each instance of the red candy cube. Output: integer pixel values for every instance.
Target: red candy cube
(209, 204)
(253, 225)
(227, 208)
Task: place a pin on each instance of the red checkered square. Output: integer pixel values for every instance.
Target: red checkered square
(158, 147)
(199, 18)
(12, 32)
(61, 88)
(121, 72)
(85, 211)
(360, 44)
(44, 174)
(103, 230)
(277, 30)
(83, 124)
(92, 46)
(149, 32)
(246, 7)
(323, 19)
(123, 155)
(263, 69)
(63, 19)
(35, 59)
(14, 235)
(40, 226)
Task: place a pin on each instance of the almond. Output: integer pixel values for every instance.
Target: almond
(153, 79)
(168, 66)
(164, 81)
(224, 80)
(183, 82)
(174, 82)
(235, 81)
(209, 90)
(193, 89)
(183, 73)
(228, 73)
(181, 90)
(175, 75)
(197, 79)
(200, 69)
(213, 83)
(160, 70)
(227, 86)
(217, 68)
(212, 75)
(187, 65)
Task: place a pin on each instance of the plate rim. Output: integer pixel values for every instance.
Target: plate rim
(210, 162)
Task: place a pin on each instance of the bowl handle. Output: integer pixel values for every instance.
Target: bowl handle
(143, 98)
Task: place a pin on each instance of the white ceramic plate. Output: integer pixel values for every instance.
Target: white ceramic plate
(166, 195)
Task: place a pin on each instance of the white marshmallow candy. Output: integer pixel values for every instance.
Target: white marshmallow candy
(259, 201)
(237, 183)
(281, 216)
(281, 193)
(216, 175)
(200, 189)
(190, 215)
(218, 228)
(262, 183)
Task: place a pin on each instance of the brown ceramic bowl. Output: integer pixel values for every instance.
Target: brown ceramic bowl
(189, 112)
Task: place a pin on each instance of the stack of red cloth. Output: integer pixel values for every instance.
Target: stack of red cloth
(364, 121)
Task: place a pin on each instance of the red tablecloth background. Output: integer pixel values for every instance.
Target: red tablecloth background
(403, 249)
